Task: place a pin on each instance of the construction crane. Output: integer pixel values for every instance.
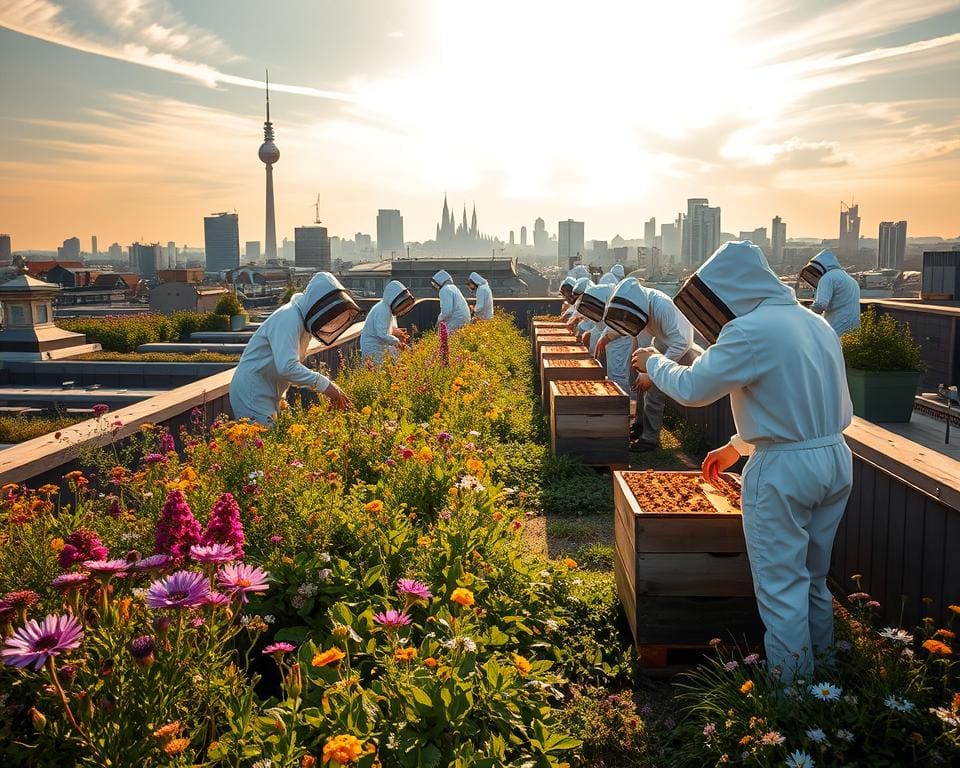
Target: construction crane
(316, 206)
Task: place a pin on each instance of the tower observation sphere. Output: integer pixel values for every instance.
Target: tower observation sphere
(269, 153)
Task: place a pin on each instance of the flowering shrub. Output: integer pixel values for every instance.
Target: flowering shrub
(126, 333)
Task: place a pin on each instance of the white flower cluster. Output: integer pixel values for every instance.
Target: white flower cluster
(460, 642)
(471, 483)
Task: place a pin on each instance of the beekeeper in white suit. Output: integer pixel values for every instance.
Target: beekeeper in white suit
(566, 290)
(578, 324)
(381, 335)
(837, 293)
(604, 339)
(454, 310)
(483, 309)
(272, 359)
(784, 371)
(651, 317)
(618, 272)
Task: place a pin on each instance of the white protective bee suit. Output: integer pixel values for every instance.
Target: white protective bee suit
(585, 324)
(578, 272)
(454, 310)
(838, 294)
(483, 309)
(653, 319)
(784, 371)
(377, 339)
(593, 304)
(566, 290)
(618, 272)
(271, 361)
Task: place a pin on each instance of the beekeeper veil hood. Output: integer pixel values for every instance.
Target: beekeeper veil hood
(566, 288)
(617, 271)
(441, 279)
(818, 266)
(730, 284)
(579, 271)
(609, 278)
(581, 285)
(398, 298)
(327, 308)
(475, 280)
(628, 309)
(594, 301)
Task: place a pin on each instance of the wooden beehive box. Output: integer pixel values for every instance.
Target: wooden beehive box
(567, 369)
(537, 324)
(565, 351)
(564, 339)
(590, 420)
(681, 561)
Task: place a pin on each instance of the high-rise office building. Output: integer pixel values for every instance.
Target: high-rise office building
(701, 232)
(221, 241)
(115, 252)
(389, 232)
(849, 231)
(145, 259)
(758, 237)
(570, 243)
(251, 251)
(541, 240)
(171, 254)
(312, 247)
(5, 251)
(511, 238)
(670, 240)
(650, 233)
(70, 250)
(287, 250)
(523, 236)
(269, 154)
(893, 245)
(94, 251)
(778, 239)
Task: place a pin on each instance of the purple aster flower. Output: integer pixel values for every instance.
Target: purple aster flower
(106, 567)
(213, 553)
(82, 544)
(182, 589)
(142, 648)
(444, 437)
(391, 619)
(415, 590)
(70, 580)
(277, 650)
(166, 442)
(151, 562)
(225, 526)
(155, 458)
(239, 580)
(38, 641)
(177, 529)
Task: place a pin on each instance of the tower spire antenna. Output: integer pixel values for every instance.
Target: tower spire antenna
(268, 94)
(269, 154)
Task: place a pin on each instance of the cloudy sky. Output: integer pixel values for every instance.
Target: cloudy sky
(131, 119)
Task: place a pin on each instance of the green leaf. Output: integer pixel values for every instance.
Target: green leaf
(296, 635)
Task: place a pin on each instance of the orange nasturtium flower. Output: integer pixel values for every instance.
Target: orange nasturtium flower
(954, 608)
(168, 730)
(330, 656)
(296, 430)
(569, 562)
(176, 746)
(57, 544)
(425, 454)
(937, 648)
(522, 665)
(430, 662)
(374, 506)
(947, 633)
(746, 687)
(462, 597)
(405, 654)
(342, 750)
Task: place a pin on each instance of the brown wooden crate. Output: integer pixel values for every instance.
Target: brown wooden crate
(696, 620)
(551, 370)
(576, 351)
(615, 402)
(592, 425)
(625, 591)
(603, 451)
(549, 341)
(702, 574)
(629, 498)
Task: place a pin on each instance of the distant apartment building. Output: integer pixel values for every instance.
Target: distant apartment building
(601, 253)
(389, 232)
(569, 242)
(251, 253)
(670, 240)
(171, 254)
(756, 236)
(849, 246)
(70, 250)
(892, 245)
(523, 237)
(145, 259)
(701, 232)
(778, 239)
(5, 252)
(221, 239)
(94, 250)
(312, 247)
(168, 298)
(541, 238)
(115, 252)
(650, 233)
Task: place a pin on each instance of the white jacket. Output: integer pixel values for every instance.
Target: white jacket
(781, 365)
(376, 338)
(838, 295)
(454, 310)
(483, 310)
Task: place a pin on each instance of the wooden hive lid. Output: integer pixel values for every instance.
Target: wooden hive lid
(588, 397)
(566, 362)
(678, 494)
(563, 349)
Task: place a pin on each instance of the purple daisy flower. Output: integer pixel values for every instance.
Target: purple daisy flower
(415, 590)
(38, 641)
(391, 619)
(106, 567)
(213, 553)
(183, 589)
(70, 580)
(279, 649)
(150, 562)
(240, 579)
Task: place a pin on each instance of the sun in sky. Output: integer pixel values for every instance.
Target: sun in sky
(135, 118)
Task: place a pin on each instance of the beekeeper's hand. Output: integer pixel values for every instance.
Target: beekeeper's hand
(719, 460)
(643, 383)
(337, 397)
(641, 356)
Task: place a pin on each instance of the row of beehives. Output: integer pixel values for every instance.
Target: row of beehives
(681, 564)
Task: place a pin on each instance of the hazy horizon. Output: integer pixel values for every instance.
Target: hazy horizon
(132, 119)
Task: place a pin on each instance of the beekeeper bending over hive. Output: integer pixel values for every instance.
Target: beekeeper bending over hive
(578, 324)
(381, 335)
(602, 339)
(484, 305)
(838, 294)
(566, 290)
(784, 371)
(454, 310)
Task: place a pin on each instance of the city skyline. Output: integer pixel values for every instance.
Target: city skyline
(134, 120)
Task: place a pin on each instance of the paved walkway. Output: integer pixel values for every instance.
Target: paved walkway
(929, 433)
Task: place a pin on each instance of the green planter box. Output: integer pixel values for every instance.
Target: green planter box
(880, 396)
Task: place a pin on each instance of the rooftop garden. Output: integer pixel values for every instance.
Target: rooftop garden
(126, 333)
(413, 583)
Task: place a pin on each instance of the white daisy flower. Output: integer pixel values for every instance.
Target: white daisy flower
(825, 692)
(816, 735)
(898, 705)
(844, 735)
(897, 635)
(798, 759)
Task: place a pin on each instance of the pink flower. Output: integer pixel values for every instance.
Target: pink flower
(177, 529)
(753, 658)
(37, 642)
(709, 729)
(214, 553)
(412, 589)
(225, 526)
(860, 596)
(278, 650)
(217, 599)
(107, 567)
(100, 408)
(70, 580)
(391, 619)
(873, 604)
(81, 545)
(151, 562)
(444, 346)
(167, 445)
(240, 580)
(183, 589)
(155, 458)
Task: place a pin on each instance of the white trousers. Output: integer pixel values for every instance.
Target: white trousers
(617, 354)
(794, 495)
(650, 407)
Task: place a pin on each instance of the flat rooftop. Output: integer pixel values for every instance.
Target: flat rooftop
(929, 433)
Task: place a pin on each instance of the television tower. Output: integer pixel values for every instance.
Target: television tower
(269, 154)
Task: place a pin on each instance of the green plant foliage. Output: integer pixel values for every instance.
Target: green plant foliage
(159, 357)
(229, 305)
(126, 333)
(19, 429)
(881, 344)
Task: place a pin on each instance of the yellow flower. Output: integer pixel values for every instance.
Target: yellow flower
(296, 430)
(332, 455)
(405, 654)
(57, 544)
(569, 562)
(462, 597)
(176, 746)
(937, 648)
(48, 489)
(330, 656)
(452, 490)
(430, 662)
(374, 506)
(468, 399)
(954, 608)
(424, 541)
(168, 730)
(342, 750)
(425, 454)
(475, 467)
(522, 665)
(366, 410)
(493, 414)
(746, 687)
(745, 740)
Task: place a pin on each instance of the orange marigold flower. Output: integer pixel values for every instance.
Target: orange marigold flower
(332, 455)
(366, 410)
(569, 562)
(48, 489)
(425, 454)
(745, 740)
(746, 687)
(405, 654)
(57, 544)
(342, 750)
(522, 665)
(308, 761)
(374, 506)
(168, 730)
(462, 597)
(947, 633)
(330, 656)
(75, 475)
(954, 608)
(176, 746)
(937, 648)
(430, 662)
(296, 430)
(475, 467)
